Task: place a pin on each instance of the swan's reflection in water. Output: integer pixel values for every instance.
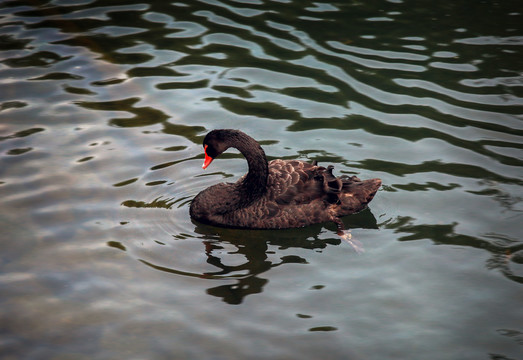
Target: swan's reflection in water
(258, 251)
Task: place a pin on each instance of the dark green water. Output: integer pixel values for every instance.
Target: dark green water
(103, 107)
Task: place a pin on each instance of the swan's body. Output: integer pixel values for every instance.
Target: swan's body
(279, 194)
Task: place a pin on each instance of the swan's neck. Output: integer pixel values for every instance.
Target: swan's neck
(254, 184)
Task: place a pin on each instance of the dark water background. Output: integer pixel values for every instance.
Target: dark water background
(103, 107)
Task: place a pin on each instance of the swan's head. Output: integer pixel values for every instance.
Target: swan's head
(216, 142)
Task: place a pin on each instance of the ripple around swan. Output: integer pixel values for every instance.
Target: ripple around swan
(103, 108)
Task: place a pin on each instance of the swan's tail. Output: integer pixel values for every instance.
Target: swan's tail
(348, 193)
(356, 194)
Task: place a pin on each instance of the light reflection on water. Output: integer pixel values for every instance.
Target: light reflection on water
(103, 107)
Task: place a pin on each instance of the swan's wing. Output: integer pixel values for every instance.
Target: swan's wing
(293, 182)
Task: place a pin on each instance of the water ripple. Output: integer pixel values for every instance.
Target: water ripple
(103, 109)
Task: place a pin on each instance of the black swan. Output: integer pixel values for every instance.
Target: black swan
(277, 194)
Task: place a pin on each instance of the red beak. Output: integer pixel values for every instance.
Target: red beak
(208, 159)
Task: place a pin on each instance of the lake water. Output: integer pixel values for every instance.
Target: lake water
(103, 108)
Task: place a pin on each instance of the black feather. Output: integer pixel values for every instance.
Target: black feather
(278, 194)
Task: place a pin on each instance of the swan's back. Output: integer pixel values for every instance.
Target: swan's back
(300, 194)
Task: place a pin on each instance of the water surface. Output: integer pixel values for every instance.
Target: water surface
(103, 107)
